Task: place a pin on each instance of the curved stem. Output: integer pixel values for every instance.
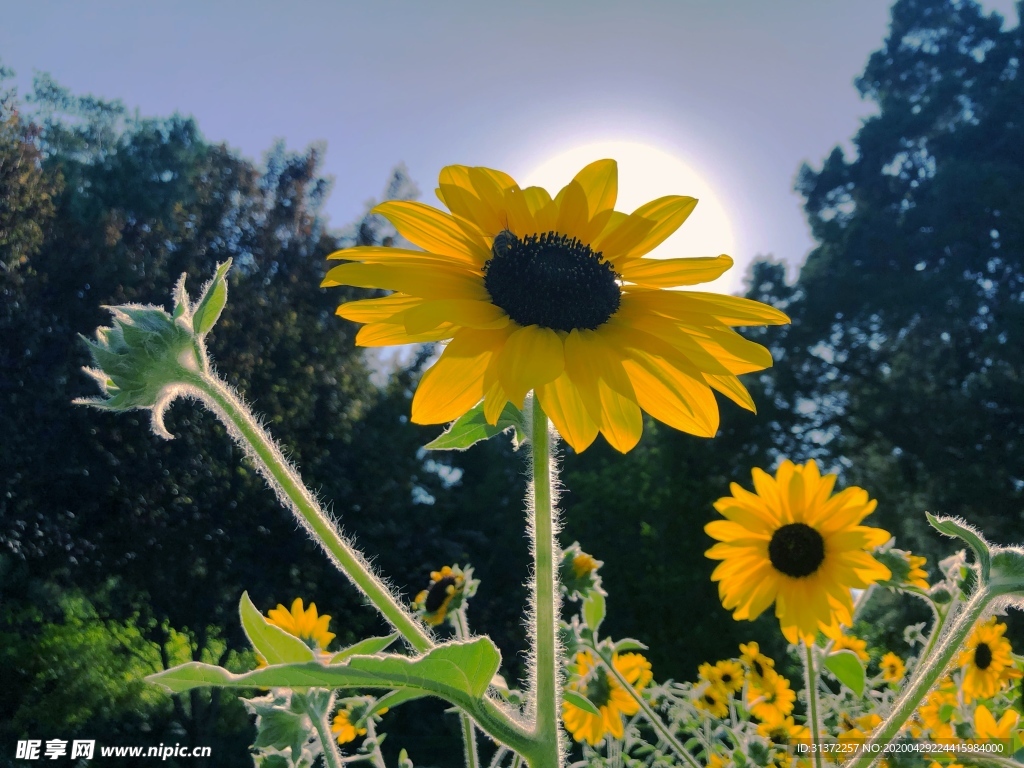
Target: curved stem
(284, 479)
(289, 487)
(468, 729)
(652, 717)
(929, 672)
(332, 757)
(547, 688)
(811, 678)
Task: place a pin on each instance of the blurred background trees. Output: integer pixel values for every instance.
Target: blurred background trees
(122, 553)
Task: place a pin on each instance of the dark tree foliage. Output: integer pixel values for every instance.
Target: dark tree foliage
(908, 345)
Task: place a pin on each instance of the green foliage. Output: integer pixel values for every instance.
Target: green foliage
(848, 670)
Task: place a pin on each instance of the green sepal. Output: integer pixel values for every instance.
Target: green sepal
(472, 427)
(594, 610)
(580, 701)
(1007, 575)
(270, 641)
(282, 723)
(211, 302)
(847, 669)
(458, 672)
(367, 647)
(952, 527)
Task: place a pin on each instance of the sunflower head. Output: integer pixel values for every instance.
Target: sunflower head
(771, 698)
(849, 643)
(794, 543)
(613, 702)
(754, 661)
(578, 572)
(987, 661)
(726, 675)
(556, 295)
(449, 588)
(303, 624)
(892, 667)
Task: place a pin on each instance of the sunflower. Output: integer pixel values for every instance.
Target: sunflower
(755, 661)
(712, 699)
(848, 643)
(772, 698)
(594, 682)
(303, 624)
(555, 296)
(937, 711)
(783, 730)
(444, 594)
(986, 727)
(986, 660)
(794, 543)
(856, 729)
(726, 675)
(892, 667)
(344, 728)
(917, 576)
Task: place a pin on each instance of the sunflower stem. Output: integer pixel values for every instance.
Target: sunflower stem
(651, 716)
(285, 481)
(287, 484)
(929, 671)
(332, 757)
(468, 729)
(547, 685)
(811, 678)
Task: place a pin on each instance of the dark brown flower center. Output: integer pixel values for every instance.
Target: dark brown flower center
(552, 281)
(438, 593)
(796, 550)
(599, 688)
(982, 656)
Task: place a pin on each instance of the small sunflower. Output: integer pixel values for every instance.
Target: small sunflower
(578, 572)
(892, 667)
(937, 712)
(727, 675)
(986, 727)
(712, 699)
(755, 661)
(555, 296)
(783, 730)
(303, 624)
(859, 728)
(613, 702)
(443, 595)
(917, 575)
(344, 728)
(850, 643)
(772, 698)
(987, 661)
(795, 544)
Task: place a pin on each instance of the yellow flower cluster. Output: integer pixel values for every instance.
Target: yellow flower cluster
(614, 702)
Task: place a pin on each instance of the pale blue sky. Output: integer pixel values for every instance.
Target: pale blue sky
(742, 90)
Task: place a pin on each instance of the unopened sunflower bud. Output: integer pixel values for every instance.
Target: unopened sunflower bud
(577, 572)
(149, 356)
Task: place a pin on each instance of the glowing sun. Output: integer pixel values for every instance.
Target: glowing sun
(646, 173)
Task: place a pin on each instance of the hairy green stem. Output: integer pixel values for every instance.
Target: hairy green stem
(652, 717)
(468, 729)
(929, 672)
(332, 757)
(547, 688)
(811, 678)
(285, 481)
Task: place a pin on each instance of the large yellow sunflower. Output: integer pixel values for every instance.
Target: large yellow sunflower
(610, 698)
(986, 659)
(795, 544)
(555, 296)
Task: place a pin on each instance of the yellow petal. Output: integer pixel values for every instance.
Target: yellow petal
(377, 310)
(561, 401)
(463, 199)
(454, 384)
(671, 396)
(494, 401)
(668, 273)
(666, 215)
(731, 387)
(470, 314)
(600, 183)
(573, 211)
(531, 357)
(388, 334)
(542, 208)
(429, 282)
(432, 230)
(596, 370)
(732, 310)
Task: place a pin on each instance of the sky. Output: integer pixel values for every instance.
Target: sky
(741, 92)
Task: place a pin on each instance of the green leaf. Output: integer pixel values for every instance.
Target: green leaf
(456, 672)
(470, 428)
(629, 644)
(953, 527)
(848, 670)
(580, 701)
(593, 610)
(394, 699)
(1008, 572)
(211, 303)
(281, 729)
(271, 642)
(367, 647)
